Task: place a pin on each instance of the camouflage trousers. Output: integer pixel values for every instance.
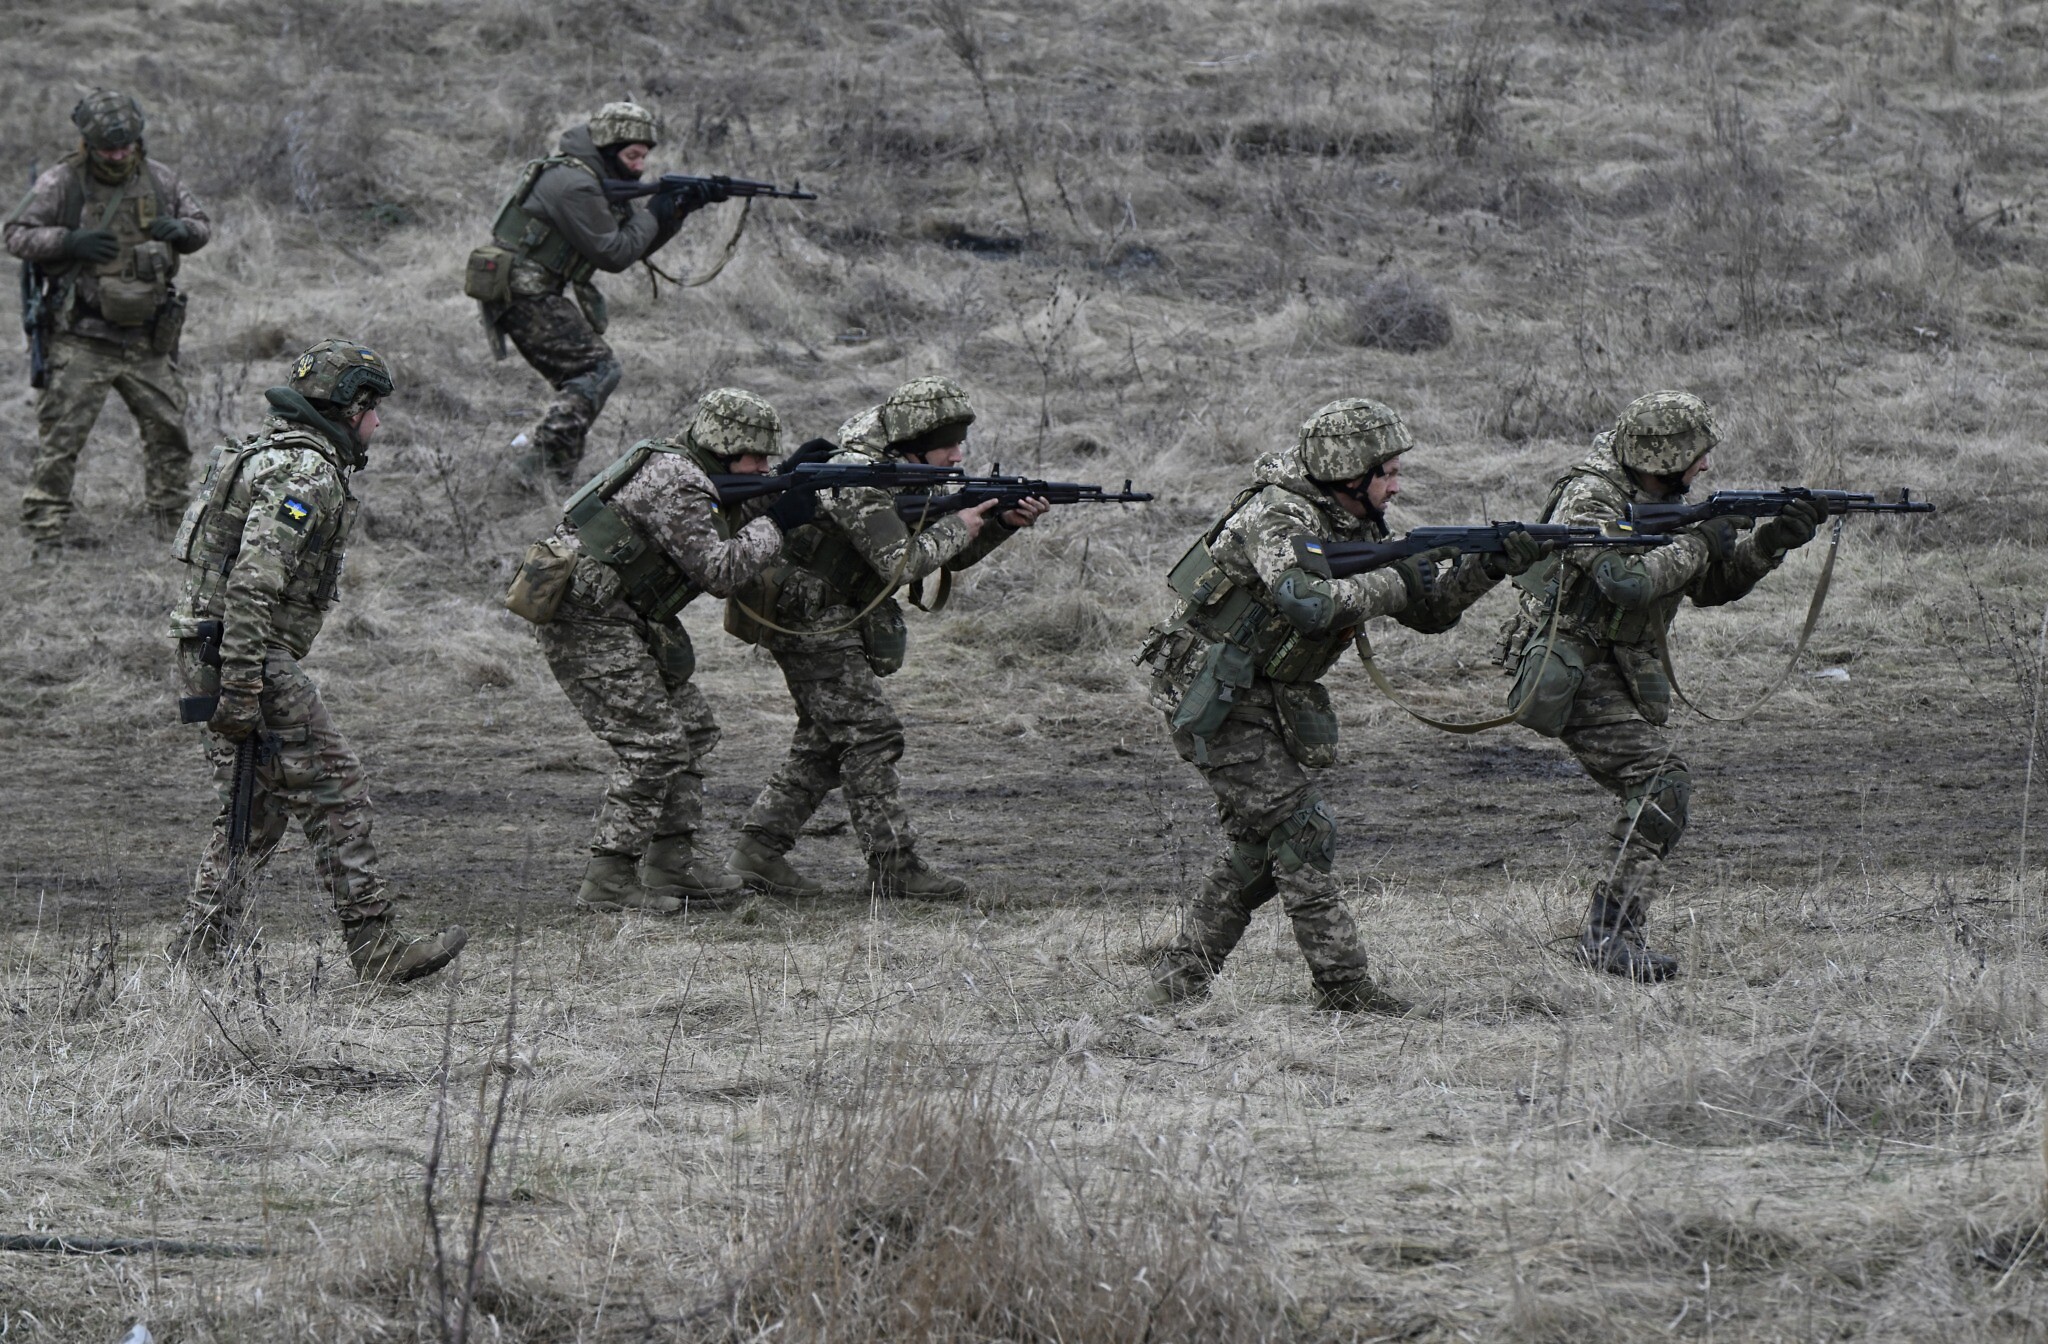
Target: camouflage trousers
(82, 372)
(1283, 842)
(305, 770)
(1635, 761)
(847, 737)
(553, 336)
(631, 683)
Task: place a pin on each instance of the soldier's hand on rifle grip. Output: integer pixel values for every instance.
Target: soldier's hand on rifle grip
(1027, 512)
(793, 508)
(1720, 535)
(1790, 530)
(1306, 600)
(976, 516)
(1520, 552)
(91, 245)
(238, 714)
(1418, 572)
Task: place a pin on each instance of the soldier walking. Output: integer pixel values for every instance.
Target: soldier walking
(835, 631)
(105, 230)
(637, 544)
(1603, 689)
(1238, 673)
(262, 546)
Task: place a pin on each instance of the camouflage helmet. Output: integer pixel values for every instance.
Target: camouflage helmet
(923, 405)
(345, 375)
(1347, 439)
(1664, 433)
(624, 124)
(108, 120)
(730, 423)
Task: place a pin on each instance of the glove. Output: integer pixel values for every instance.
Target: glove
(1418, 573)
(1720, 534)
(166, 229)
(93, 245)
(237, 714)
(1520, 552)
(670, 207)
(793, 508)
(1307, 601)
(1791, 529)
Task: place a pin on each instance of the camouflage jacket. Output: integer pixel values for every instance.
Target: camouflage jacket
(857, 546)
(263, 543)
(1254, 545)
(1634, 598)
(569, 198)
(68, 197)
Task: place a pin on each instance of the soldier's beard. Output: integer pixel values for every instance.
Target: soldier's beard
(619, 171)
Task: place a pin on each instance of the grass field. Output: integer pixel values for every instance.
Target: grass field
(1150, 238)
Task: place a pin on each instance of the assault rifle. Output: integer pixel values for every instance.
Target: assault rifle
(1765, 504)
(807, 469)
(1342, 559)
(709, 189)
(1008, 491)
(36, 316)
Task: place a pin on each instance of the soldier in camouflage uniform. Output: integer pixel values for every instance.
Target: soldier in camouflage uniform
(1603, 688)
(559, 231)
(647, 536)
(1238, 670)
(841, 632)
(108, 225)
(263, 546)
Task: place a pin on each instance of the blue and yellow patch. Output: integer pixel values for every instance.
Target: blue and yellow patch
(293, 514)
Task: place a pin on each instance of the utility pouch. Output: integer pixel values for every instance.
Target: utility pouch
(1643, 673)
(884, 639)
(673, 652)
(1307, 723)
(128, 302)
(488, 276)
(758, 595)
(170, 325)
(542, 581)
(1225, 670)
(1547, 684)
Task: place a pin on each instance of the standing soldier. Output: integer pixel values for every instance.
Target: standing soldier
(841, 632)
(1238, 672)
(637, 543)
(263, 546)
(555, 232)
(104, 231)
(1603, 688)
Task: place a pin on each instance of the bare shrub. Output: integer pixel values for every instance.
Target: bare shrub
(1466, 89)
(1740, 234)
(1395, 312)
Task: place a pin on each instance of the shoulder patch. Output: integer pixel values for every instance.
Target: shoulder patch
(293, 514)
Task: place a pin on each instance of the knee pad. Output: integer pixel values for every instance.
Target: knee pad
(597, 386)
(1308, 837)
(1659, 807)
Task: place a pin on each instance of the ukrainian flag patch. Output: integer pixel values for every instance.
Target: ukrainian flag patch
(293, 513)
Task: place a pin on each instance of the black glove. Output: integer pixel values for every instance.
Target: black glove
(93, 245)
(1418, 573)
(670, 207)
(1720, 534)
(1521, 551)
(793, 508)
(166, 229)
(1306, 600)
(1791, 529)
(236, 715)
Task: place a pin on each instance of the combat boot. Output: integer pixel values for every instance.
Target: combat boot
(902, 875)
(671, 871)
(611, 882)
(1360, 996)
(1177, 980)
(1612, 940)
(384, 956)
(764, 869)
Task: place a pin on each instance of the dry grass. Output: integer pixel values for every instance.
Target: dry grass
(1150, 237)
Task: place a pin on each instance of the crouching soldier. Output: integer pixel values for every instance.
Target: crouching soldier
(1603, 687)
(636, 545)
(1238, 672)
(263, 546)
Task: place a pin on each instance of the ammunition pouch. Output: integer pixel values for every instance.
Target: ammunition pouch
(651, 584)
(884, 640)
(1225, 671)
(837, 563)
(488, 276)
(1642, 671)
(170, 325)
(542, 581)
(1221, 609)
(524, 236)
(1307, 723)
(759, 596)
(1547, 682)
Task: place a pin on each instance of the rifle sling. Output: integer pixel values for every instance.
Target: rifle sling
(895, 580)
(725, 254)
(1514, 715)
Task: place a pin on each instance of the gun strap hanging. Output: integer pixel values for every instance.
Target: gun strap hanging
(1820, 596)
(943, 590)
(895, 580)
(732, 245)
(1514, 715)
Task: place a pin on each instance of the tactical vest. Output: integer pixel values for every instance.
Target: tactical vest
(1582, 609)
(1221, 610)
(130, 289)
(210, 541)
(651, 583)
(531, 238)
(828, 555)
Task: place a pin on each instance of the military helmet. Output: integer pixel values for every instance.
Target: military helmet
(108, 120)
(730, 423)
(624, 124)
(345, 375)
(923, 405)
(1664, 433)
(1347, 439)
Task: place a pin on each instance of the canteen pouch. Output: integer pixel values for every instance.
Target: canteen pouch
(488, 276)
(170, 325)
(542, 581)
(673, 652)
(1307, 723)
(1648, 686)
(884, 639)
(1547, 684)
(1224, 671)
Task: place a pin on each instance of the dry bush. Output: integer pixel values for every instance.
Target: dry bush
(942, 1208)
(1466, 88)
(1404, 313)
